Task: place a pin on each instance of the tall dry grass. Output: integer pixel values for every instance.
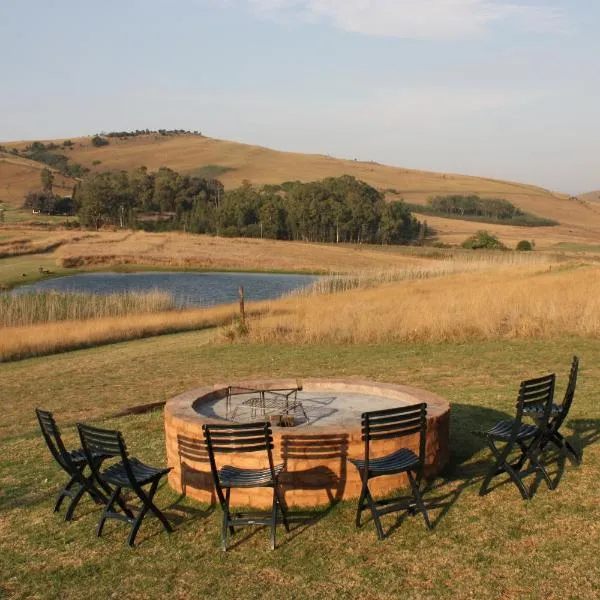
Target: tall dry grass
(44, 307)
(506, 303)
(48, 338)
(447, 264)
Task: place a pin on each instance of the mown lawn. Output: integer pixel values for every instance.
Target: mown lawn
(492, 547)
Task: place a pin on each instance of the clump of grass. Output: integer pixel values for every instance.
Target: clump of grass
(18, 310)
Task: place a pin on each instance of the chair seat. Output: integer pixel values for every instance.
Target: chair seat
(396, 462)
(538, 410)
(234, 477)
(117, 475)
(77, 456)
(503, 430)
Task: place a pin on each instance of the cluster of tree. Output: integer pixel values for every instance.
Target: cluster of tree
(46, 201)
(99, 141)
(339, 209)
(49, 203)
(138, 132)
(336, 209)
(472, 207)
(151, 200)
(45, 153)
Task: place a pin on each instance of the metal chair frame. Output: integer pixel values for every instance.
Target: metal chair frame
(72, 462)
(242, 438)
(384, 425)
(129, 473)
(535, 395)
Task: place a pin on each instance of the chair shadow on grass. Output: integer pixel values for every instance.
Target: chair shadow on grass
(462, 472)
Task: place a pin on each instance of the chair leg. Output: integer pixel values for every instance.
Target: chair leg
(283, 509)
(502, 466)
(534, 460)
(147, 505)
(226, 525)
(149, 499)
(107, 509)
(274, 519)
(361, 501)
(577, 455)
(63, 494)
(565, 447)
(374, 512)
(74, 501)
(419, 499)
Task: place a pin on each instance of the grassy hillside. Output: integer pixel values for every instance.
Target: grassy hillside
(233, 163)
(20, 175)
(590, 196)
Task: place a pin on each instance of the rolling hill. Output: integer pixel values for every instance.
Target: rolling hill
(234, 162)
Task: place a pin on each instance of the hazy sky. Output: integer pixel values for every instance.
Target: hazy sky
(502, 88)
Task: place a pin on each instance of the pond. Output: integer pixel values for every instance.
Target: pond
(187, 289)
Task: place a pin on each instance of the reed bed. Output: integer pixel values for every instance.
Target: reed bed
(49, 338)
(505, 304)
(18, 310)
(448, 265)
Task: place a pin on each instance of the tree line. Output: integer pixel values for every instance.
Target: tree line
(336, 209)
(472, 207)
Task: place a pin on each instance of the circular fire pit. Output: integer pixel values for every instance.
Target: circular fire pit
(315, 430)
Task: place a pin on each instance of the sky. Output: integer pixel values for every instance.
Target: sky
(508, 89)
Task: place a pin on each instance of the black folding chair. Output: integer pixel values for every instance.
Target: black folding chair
(558, 416)
(73, 462)
(535, 397)
(127, 473)
(384, 425)
(247, 437)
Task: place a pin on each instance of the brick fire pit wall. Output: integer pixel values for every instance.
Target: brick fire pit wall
(315, 456)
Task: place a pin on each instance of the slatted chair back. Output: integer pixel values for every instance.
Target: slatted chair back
(535, 395)
(568, 398)
(96, 441)
(238, 438)
(395, 423)
(53, 439)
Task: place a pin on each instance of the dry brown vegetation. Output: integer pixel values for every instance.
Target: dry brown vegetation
(187, 250)
(17, 310)
(499, 303)
(49, 338)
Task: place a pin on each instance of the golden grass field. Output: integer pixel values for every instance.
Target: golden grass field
(536, 301)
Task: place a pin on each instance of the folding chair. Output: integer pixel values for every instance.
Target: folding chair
(127, 473)
(73, 462)
(247, 437)
(535, 396)
(384, 425)
(558, 416)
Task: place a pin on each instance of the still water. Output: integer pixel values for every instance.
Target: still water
(188, 289)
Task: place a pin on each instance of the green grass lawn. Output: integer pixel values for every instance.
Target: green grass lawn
(492, 547)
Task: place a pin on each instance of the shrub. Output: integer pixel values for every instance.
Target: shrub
(483, 240)
(524, 246)
(99, 141)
